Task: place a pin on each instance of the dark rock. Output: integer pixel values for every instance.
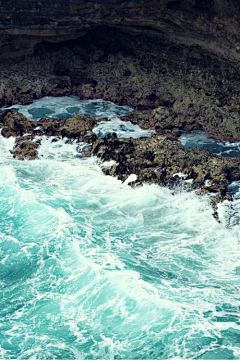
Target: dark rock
(163, 161)
(25, 148)
(184, 86)
(16, 124)
(174, 61)
(212, 24)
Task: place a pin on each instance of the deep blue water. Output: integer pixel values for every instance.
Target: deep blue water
(93, 269)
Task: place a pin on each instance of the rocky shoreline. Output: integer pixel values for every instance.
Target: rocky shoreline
(175, 62)
(25, 131)
(171, 84)
(160, 159)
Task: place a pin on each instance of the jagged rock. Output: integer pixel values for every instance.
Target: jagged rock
(160, 159)
(25, 148)
(174, 61)
(163, 161)
(15, 124)
(185, 87)
(179, 57)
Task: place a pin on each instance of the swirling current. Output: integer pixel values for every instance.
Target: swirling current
(93, 269)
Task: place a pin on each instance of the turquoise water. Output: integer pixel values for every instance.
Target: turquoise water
(93, 269)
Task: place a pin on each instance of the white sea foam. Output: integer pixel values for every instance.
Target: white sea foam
(108, 164)
(123, 129)
(62, 150)
(68, 106)
(94, 268)
(180, 175)
(6, 144)
(126, 287)
(132, 177)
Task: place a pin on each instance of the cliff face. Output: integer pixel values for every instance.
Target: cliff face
(211, 24)
(177, 62)
(176, 59)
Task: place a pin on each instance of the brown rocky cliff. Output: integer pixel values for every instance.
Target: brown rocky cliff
(212, 24)
(161, 55)
(175, 61)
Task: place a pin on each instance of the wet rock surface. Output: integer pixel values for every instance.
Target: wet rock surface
(164, 161)
(25, 148)
(160, 159)
(167, 119)
(176, 62)
(25, 131)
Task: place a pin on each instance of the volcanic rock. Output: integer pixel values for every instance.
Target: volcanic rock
(17, 125)
(159, 160)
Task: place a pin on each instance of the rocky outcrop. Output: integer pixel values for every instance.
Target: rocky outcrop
(184, 86)
(165, 120)
(160, 159)
(177, 62)
(212, 24)
(163, 160)
(179, 57)
(25, 131)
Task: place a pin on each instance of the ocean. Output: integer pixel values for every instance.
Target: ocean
(91, 268)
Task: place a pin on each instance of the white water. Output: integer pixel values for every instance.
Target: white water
(68, 106)
(93, 269)
(123, 129)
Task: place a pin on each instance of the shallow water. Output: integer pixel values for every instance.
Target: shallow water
(93, 269)
(201, 139)
(67, 106)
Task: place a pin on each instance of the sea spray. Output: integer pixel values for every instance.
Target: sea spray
(93, 269)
